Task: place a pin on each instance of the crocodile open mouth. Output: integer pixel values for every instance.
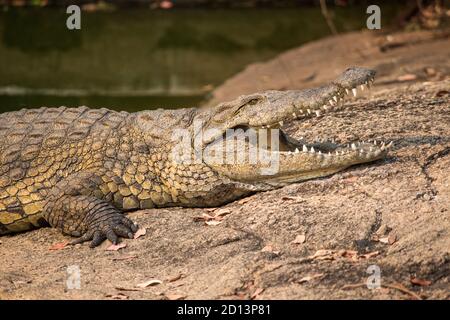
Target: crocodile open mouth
(262, 130)
(291, 146)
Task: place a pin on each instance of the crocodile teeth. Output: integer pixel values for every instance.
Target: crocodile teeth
(268, 126)
(296, 150)
(389, 144)
(362, 87)
(317, 113)
(308, 110)
(324, 107)
(281, 123)
(331, 102)
(354, 91)
(312, 150)
(375, 142)
(305, 149)
(346, 91)
(353, 146)
(320, 152)
(294, 115)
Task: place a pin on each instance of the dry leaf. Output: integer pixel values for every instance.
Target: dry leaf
(311, 277)
(420, 282)
(256, 293)
(407, 77)
(245, 200)
(116, 247)
(369, 255)
(139, 233)
(213, 222)
(301, 238)
(175, 296)
(323, 254)
(58, 246)
(270, 249)
(152, 282)
(175, 278)
(391, 239)
(349, 254)
(119, 296)
(222, 212)
(204, 217)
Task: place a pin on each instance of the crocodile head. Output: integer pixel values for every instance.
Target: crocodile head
(252, 125)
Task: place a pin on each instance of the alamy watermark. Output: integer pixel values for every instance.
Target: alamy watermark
(374, 20)
(374, 280)
(73, 22)
(73, 277)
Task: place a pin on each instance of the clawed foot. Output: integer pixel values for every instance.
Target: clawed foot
(111, 228)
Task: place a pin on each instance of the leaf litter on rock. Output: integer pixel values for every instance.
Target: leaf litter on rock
(149, 283)
(311, 277)
(141, 232)
(269, 248)
(215, 218)
(390, 239)
(299, 239)
(244, 200)
(175, 296)
(325, 254)
(119, 296)
(213, 223)
(256, 293)
(420, 282)
(58, 246)
(175, 278)
(116, 247)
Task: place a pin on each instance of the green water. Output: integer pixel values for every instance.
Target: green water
(143, 59)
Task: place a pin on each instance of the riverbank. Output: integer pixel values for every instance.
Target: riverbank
(312, 240)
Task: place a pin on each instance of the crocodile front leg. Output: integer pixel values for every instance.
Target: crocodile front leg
(77, 206)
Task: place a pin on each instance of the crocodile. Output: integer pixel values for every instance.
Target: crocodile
(80, 169)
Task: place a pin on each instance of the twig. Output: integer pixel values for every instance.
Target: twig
(396, 286)
(323, 7)
(403, 289)
(353, 286)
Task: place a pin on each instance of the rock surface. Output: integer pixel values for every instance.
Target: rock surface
(313, 240)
